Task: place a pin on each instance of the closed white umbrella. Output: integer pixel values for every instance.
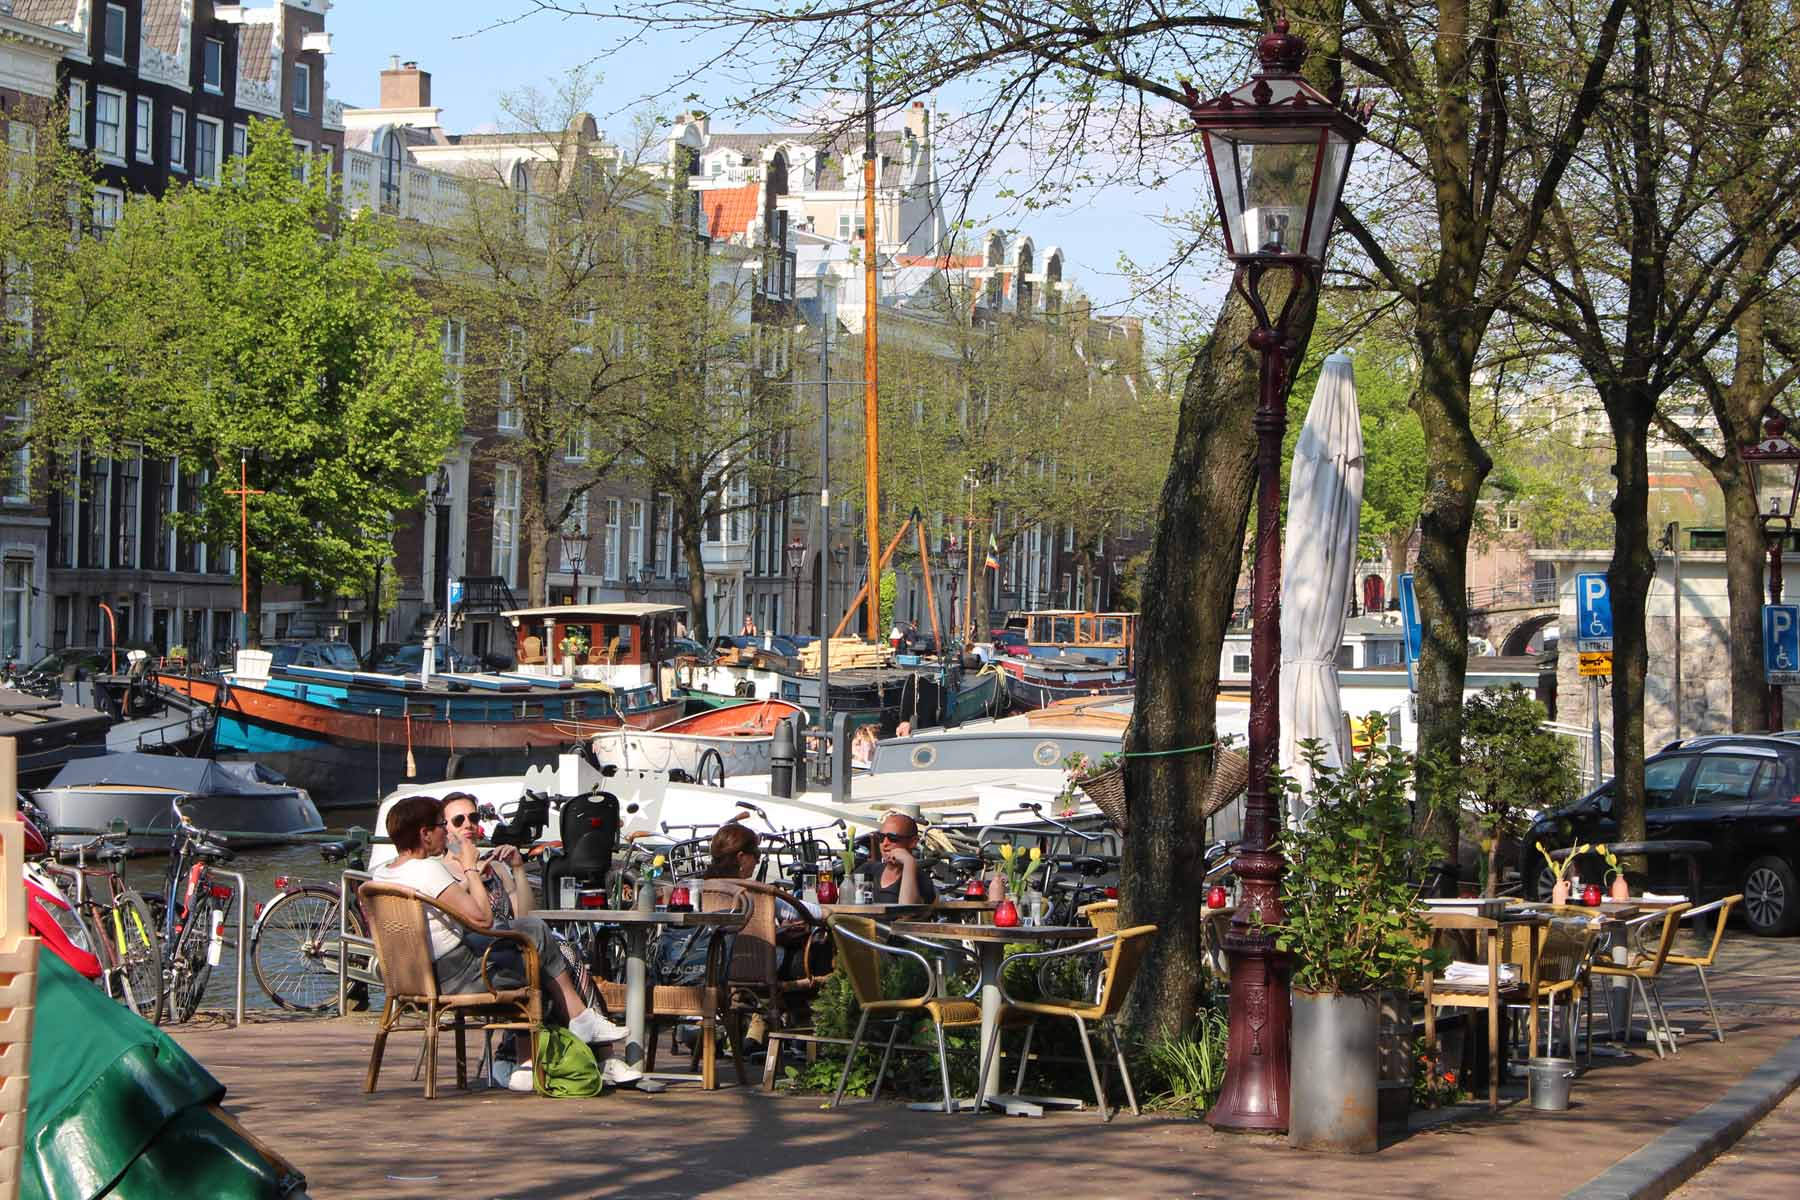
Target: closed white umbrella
(1324, 516)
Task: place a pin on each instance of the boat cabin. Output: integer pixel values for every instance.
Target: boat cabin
(616, 644)
(1106, 637)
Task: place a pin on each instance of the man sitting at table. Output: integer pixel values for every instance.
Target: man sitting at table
(419, 831)
(893, 869)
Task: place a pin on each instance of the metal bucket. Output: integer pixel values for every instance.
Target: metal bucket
(1550, 1083)
(1334, 1094)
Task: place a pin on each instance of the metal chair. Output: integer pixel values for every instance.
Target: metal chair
(1722, 909)
(397, 923)
(1124, 952)
(1644, 969)
(859, 953)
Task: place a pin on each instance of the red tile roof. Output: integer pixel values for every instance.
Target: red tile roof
(731, 210)
(944, 262)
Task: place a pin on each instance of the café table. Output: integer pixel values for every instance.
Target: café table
(1686, 849)
(1452, 920)
(638, 926)
(989, 943)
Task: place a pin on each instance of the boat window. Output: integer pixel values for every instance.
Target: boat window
(1112, 629)
(1047, 754)
(1063, 630)
(924, 756)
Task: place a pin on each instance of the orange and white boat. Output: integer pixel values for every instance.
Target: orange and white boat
(739, 737)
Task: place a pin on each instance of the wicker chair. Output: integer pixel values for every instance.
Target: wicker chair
(1491, 995)
(754, 973)
(859, 951)
(398, 926)
(1124, 951)
(1103, 915)
(709, 1002)
(1720, 911)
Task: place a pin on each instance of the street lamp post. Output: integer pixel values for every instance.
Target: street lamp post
(796, 562)
(1278, 152)
(1775, 465)
(574, 549)
(954, 555)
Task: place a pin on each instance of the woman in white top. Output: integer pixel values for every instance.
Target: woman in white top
(420, 833)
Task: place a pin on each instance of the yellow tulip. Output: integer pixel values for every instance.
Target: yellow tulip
(1036, 854)
(1006, 851)
(658, 861)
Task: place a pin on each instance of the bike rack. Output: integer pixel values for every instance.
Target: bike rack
(347, 895)
(243, 902)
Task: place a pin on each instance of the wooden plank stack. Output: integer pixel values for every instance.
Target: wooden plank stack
(18, 975)
(848, 653)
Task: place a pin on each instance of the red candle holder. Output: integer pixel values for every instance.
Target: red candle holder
(1216, 896)
(1591, 895)
(1006, 915)
(679, 900)
(975, 890)
(828, 890)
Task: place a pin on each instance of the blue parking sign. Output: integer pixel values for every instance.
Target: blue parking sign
(1593, 613)
(1409, 624)
(1781, 643)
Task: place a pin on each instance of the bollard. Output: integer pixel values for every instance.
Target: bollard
(781, 761)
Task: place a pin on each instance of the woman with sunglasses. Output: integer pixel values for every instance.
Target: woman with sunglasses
(501, 870)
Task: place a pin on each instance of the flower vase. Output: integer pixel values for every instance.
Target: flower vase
(1559, 892)
(1006, 915)
(1621, 890)
(569, 665)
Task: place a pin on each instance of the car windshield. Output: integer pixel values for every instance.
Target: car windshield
(338, 654)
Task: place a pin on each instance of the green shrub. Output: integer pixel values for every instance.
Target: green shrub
(1185, 1073)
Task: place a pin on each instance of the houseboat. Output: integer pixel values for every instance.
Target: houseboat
(1057, 633)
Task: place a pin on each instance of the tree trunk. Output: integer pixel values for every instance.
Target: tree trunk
(1456, 466)
(1186, 605)
(535, 518)
(1628, 580)
(1745, 553)
(1397, 546)
(980, 611)
(699, 628)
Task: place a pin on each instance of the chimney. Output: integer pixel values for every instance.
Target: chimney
(405, 86)
(918, 121)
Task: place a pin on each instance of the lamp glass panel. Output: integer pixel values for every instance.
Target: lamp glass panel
(1775, 487)
(1334, 169)
(1266, 187)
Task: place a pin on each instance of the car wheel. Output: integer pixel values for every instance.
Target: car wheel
(1542, 883)
(1771, 897)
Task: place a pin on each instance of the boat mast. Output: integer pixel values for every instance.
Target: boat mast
(871, 296)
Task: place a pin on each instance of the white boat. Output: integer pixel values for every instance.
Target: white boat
(733, 741)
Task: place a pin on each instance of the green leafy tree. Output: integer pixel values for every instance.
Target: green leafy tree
(1511, 766)
(251, 318)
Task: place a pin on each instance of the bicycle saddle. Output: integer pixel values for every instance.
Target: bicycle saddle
(212, 852)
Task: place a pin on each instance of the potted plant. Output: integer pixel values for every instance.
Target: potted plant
(1353, 928)
(574, 645)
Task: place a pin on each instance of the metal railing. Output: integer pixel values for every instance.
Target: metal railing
(346, 972)
(1583, 737)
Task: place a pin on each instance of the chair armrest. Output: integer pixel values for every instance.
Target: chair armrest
(931, 974)
(527, 951)
(1091, 946)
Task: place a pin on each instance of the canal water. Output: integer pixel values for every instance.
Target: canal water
(259, 867)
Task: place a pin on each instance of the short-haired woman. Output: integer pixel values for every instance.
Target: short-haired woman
(420, 832)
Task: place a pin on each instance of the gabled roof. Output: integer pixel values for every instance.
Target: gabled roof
(730, 210)
(890, 145)
(943, 262)
(162, 25)
(61, 13)
(254, 43)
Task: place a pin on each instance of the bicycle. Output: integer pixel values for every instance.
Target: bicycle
(294, 946)
(121, 927)
(193, 919)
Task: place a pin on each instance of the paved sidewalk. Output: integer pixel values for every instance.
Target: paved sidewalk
(1765, 1165)
(297, 1083)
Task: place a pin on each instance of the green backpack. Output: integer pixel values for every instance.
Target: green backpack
(569, 1068)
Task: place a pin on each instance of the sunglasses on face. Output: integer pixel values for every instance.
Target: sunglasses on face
(439, 825)
(460, 819)
(885, 836)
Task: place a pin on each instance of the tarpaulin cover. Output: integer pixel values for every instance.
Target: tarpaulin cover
(195, 776)
(117, 1109)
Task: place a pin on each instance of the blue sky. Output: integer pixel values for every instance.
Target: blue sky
(476, 51)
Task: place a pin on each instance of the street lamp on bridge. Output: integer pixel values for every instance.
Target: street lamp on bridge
(1277, 152)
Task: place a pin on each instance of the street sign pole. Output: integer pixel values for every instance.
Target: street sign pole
(1594, 707)
(1594, 636)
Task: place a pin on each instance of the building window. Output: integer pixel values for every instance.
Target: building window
(303, 152)
(109, 124)
(107, 204)
(635, 560)
(143, 144)
(128, 475)
(15, 607)
(1240, 664)
(512, 380)
(206, 148)
(302, 87)
(178, 140)
(612, 539)
(213, 77)
(1509, 518)
(844, 226)
(240, 141)
(77, 113)
(452, 342)
(392, 156)
(506, 521)
(17, 489)
(114, 47)
(580, 442)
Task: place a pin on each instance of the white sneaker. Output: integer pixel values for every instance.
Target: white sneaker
(591, 1027)
(521, 1080)
(502, 1071)
(615, 1072)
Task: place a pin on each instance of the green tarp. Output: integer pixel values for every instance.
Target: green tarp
(117, 1109)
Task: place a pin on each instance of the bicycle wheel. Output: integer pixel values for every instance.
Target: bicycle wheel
(188, 968)
(294, 948)
(138, 958)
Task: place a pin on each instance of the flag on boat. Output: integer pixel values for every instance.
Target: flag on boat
(993, 554)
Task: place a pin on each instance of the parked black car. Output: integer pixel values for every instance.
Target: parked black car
(316, 652)
(1739, 792)
(392, 658)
